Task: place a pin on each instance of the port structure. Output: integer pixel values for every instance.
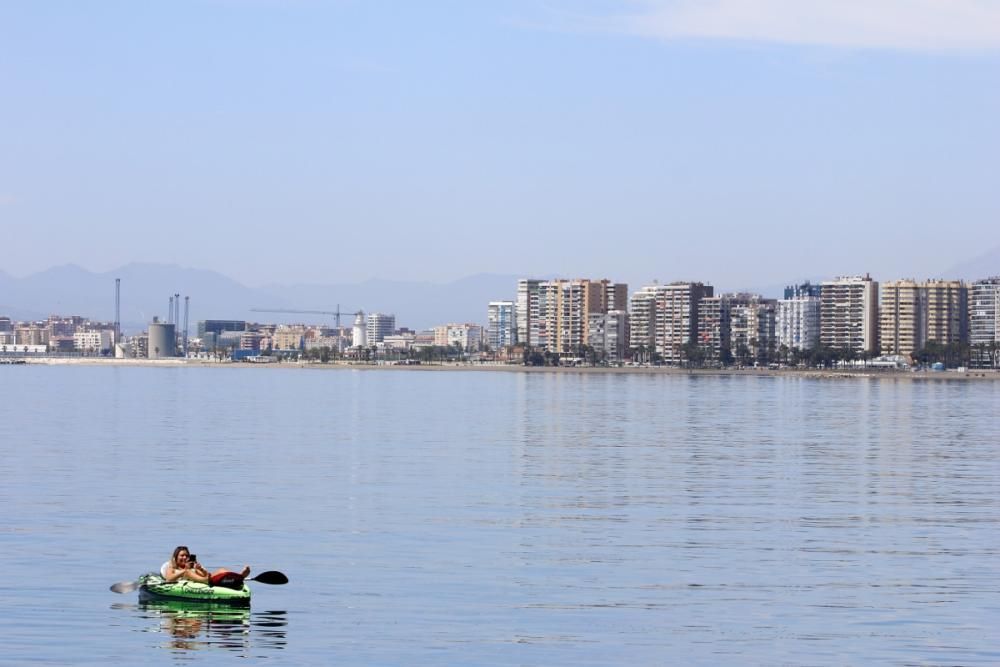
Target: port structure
(336, 313)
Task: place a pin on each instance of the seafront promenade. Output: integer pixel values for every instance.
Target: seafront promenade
(847, 373)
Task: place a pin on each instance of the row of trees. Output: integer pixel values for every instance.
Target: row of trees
(691, 354)
(951, 355)
(984, 355)
(429, 354)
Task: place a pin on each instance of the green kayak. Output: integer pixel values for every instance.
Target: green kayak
(153, 587)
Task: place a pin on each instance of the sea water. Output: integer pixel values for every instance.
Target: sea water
(502, 518)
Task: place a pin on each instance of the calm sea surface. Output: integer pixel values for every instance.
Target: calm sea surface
(480, 518)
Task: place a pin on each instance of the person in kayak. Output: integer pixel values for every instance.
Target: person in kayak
(182, 566)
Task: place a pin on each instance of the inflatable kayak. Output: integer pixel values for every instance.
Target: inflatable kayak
(153, 587)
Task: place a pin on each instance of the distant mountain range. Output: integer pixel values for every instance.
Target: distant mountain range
(983, 266)
(147, 288)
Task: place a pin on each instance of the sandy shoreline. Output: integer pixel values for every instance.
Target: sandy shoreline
(971, 374)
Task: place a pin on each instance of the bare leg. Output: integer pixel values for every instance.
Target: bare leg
(243, 573)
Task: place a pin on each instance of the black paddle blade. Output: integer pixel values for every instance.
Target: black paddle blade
(125, 586)
(272, 577)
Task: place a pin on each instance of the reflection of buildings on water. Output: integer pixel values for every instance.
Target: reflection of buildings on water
(205, 626)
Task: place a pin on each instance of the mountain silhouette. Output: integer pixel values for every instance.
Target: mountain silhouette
(147, 288)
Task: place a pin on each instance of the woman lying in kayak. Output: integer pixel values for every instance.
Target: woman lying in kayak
(183, 566)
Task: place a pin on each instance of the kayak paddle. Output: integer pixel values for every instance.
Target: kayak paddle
(272, 577)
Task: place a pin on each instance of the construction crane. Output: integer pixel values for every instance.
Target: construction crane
(336, 313)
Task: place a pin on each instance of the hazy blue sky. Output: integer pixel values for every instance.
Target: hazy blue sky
(741, 142)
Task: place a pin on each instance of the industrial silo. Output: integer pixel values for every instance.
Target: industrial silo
(162, 340)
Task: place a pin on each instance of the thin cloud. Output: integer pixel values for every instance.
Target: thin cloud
(918, 25)
(6, 199)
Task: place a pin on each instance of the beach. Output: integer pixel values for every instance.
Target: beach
(849, 373)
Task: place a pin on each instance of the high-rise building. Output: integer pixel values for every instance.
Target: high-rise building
(797, 317)
(642, 325)
(984, 322)
(849, 314)
(380, 325)
(913, 314)
(984, 311)
(608, 335)
(713, 329)
(899, 317)
(672, 322)
(751, 326)
(802, 290)
(558, 311)
(527, 303)
(946, 311)
(501, 324)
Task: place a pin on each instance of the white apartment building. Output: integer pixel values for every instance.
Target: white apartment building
(469, 337)
(797, 317)
(501, 324)
(642, 325)
(984, 311)
(92, 341)
(379, 326)
(849, 314)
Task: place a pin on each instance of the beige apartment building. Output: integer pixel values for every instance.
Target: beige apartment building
(665, 317)
(913, 313)
(899, 315)
(289, 338)
(849, 314)
(556, 313)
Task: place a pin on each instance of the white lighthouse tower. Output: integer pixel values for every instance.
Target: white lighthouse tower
(359, 330)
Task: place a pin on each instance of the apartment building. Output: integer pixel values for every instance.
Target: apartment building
(92, 341)
(379, 325)
(912, 313)
(31, 334)
(900, 316)
(608, 335)
(946, 311)
(984, 311)
(666, 317)
(469, 337)
(558, 311)
(526, 304)
(849, 314)
(797, 317)
(751, 326)
(501, 324)
(288, 338)
(713, 329)
(642, 324)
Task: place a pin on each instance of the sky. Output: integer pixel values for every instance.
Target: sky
(736, 142)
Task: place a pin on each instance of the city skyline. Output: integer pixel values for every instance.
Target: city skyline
(336, 142)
